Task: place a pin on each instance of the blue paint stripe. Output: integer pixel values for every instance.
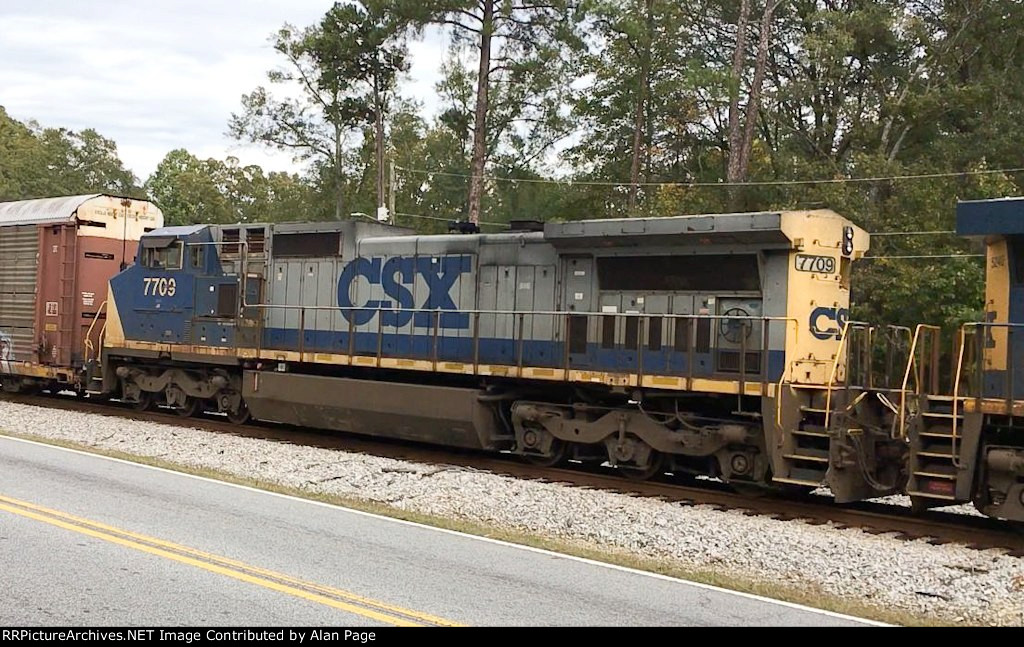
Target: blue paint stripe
(535, 353)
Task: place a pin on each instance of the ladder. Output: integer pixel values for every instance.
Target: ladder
(936, 475)
(68, 281)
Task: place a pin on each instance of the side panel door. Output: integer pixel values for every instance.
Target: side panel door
(578, 287)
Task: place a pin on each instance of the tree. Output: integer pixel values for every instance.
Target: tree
(741, 131)
(343, 68)
(22, 167)
(37, 162)
(525, 45)
(642, 93)
(186, 190)
(192, 191)
(363, 43)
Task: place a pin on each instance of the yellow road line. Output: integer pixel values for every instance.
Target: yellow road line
(354, 603)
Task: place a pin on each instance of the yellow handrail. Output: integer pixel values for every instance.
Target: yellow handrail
(782, 377)
(88, 335)
(911, 361)
(956, 392)
(835, 371)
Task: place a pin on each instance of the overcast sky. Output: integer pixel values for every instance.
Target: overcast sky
(155, 75)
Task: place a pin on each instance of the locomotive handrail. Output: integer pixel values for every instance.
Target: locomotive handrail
(956, 393)
(88, 334)
(911, 362)
(835, 368)
(979, 327)
(518, 319)
(782, 373)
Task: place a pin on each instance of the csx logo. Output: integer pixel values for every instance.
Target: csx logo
(394, 275)
(828, 323)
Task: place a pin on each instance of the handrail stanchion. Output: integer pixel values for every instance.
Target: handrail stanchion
(519, 336)
(765, 324)
(641, 327)
(956, 394)
(437, 328)
(743, 366)
(380, 338)
(1009, 373)
(476, 343)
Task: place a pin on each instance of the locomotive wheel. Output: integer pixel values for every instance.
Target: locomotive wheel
(190, 408)
(147, 401)
(654, 466)
(559, 452)
(241, 416)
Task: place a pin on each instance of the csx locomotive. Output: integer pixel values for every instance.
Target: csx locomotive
(699, 344)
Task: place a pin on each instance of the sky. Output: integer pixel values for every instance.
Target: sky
(155, 75)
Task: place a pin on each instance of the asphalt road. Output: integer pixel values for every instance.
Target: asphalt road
(86, 540)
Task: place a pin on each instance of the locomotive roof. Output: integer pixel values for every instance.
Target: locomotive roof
(763, 227)
(44, 210)
(1001, 216)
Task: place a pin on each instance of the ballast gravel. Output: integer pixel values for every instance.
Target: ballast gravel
(949, 582)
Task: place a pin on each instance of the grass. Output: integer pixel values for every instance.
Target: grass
(811, 597)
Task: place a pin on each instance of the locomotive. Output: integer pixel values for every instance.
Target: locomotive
(701, 345)
(966, 440)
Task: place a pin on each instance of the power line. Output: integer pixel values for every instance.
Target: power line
(929, 256)
(911, 233)
(844, 180)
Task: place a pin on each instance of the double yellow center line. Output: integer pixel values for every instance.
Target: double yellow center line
(310, 591)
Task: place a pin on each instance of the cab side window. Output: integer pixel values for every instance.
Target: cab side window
(165, 258)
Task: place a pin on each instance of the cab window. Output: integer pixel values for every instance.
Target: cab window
(164, 258)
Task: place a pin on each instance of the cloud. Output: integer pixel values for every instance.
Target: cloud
(161, 74)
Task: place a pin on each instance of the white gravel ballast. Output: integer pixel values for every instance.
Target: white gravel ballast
(949, 582)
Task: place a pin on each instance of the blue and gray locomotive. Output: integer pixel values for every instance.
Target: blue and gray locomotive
(696, 344)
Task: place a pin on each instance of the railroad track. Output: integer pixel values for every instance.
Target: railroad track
(935, 526)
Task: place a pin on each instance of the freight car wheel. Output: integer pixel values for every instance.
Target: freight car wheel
(655, 465)
(241, 416)
(146, 402)
(559, 452)
(190, 408)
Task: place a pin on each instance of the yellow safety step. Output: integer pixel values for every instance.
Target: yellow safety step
(788, 481)
(802, 457)
(937, 454)
(933, 475)
(809, 432)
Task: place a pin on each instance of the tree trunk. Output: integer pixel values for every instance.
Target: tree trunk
(476, 182)
(641, 111)
(738, 60)
(339, 197)
(754, 100)
(379, 135)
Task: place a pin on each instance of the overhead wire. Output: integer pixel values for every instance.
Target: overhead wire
(835, 180)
